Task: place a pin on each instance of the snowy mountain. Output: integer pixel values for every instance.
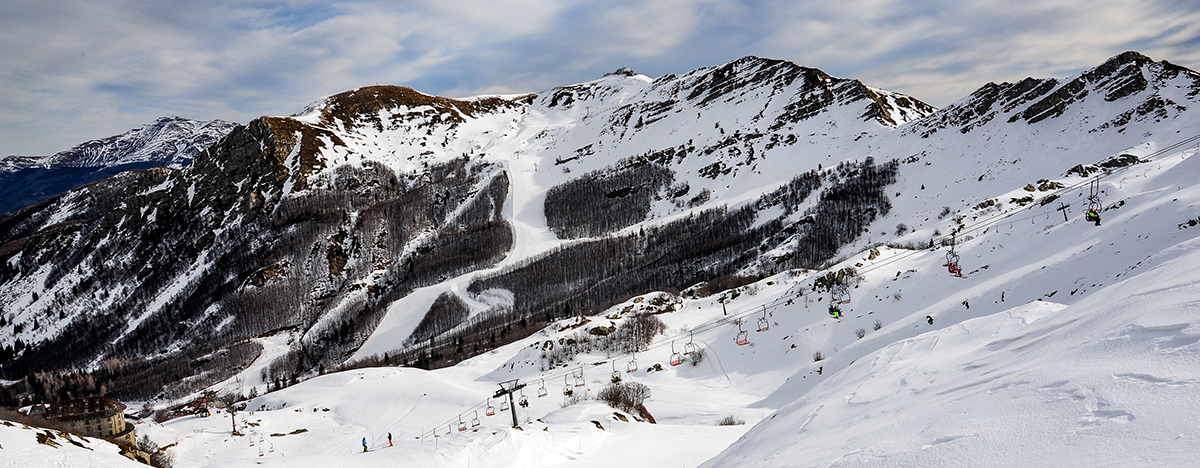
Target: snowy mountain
(316, 223)
(168, 141)
(472, 233)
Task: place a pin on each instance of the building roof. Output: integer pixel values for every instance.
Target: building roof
(84, 408)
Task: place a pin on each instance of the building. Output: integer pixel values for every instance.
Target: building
(96, 416)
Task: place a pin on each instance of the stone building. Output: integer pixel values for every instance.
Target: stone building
(96, 416)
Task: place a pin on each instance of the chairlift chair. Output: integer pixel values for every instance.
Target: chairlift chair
(1094, 204)
(763, 323)
(690, 347)
(524, 401)
(475, 420)
(462, 426)
(579, 381)
(567, 391)
(952, 257)
(952, 263)
(542, 389)
(742, 336)
(616, 375)
(676, 358)
(491, 410)
(841, 296)
(632, 366)
(503, 405)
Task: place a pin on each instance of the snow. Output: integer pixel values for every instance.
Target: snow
(19, 447)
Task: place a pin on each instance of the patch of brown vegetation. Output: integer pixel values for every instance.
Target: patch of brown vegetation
(267, 273)
(364, 104)
(284, 132)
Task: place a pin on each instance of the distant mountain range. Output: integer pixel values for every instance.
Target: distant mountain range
(166, 142)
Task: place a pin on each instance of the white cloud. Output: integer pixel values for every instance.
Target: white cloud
(75, 70)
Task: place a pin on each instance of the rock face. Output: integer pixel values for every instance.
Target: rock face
(316, 224)
(167, 142)
(1163, 88)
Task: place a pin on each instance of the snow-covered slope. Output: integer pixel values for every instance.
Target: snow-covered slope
(22, 445)
(1076, 345)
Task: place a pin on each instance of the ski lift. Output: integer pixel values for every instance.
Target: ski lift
(676, 358)
(475, 420)
(763, 323)
(542, 389)
(503, 405)
(567, 391)
(742, 335)
(579, 382)
(690, 347)
(632, 366)
(524, 401)
(491, 410)
(1094, 204)
(447, 429)
(952, 257)
(462, 426)
(616, 375)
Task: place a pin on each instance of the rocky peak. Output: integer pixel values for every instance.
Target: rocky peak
(170, 141)
(1132, 82)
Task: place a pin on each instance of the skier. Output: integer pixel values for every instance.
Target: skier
(1092, 217)
(835, 312)
(389, 439)
(929, 318)
(364, 445)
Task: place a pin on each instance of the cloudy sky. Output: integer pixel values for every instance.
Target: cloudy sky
(74, 70)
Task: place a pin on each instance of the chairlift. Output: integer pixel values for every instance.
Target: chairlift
(503, 404)
(579, 381)
(835, 311)
(475, 420)
(690, 347)
(1094, 204)
(491, 410)
(462, 426)
(567, 391)
(632, 366)
(542, 389)
(742, 336)
(952, 265)
(616, 375)
(676, 358)
(763, 323)
(524, 401)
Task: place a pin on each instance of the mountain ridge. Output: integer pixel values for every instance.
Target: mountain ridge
(322, 223)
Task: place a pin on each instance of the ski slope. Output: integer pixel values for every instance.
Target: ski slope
(1041, 377)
